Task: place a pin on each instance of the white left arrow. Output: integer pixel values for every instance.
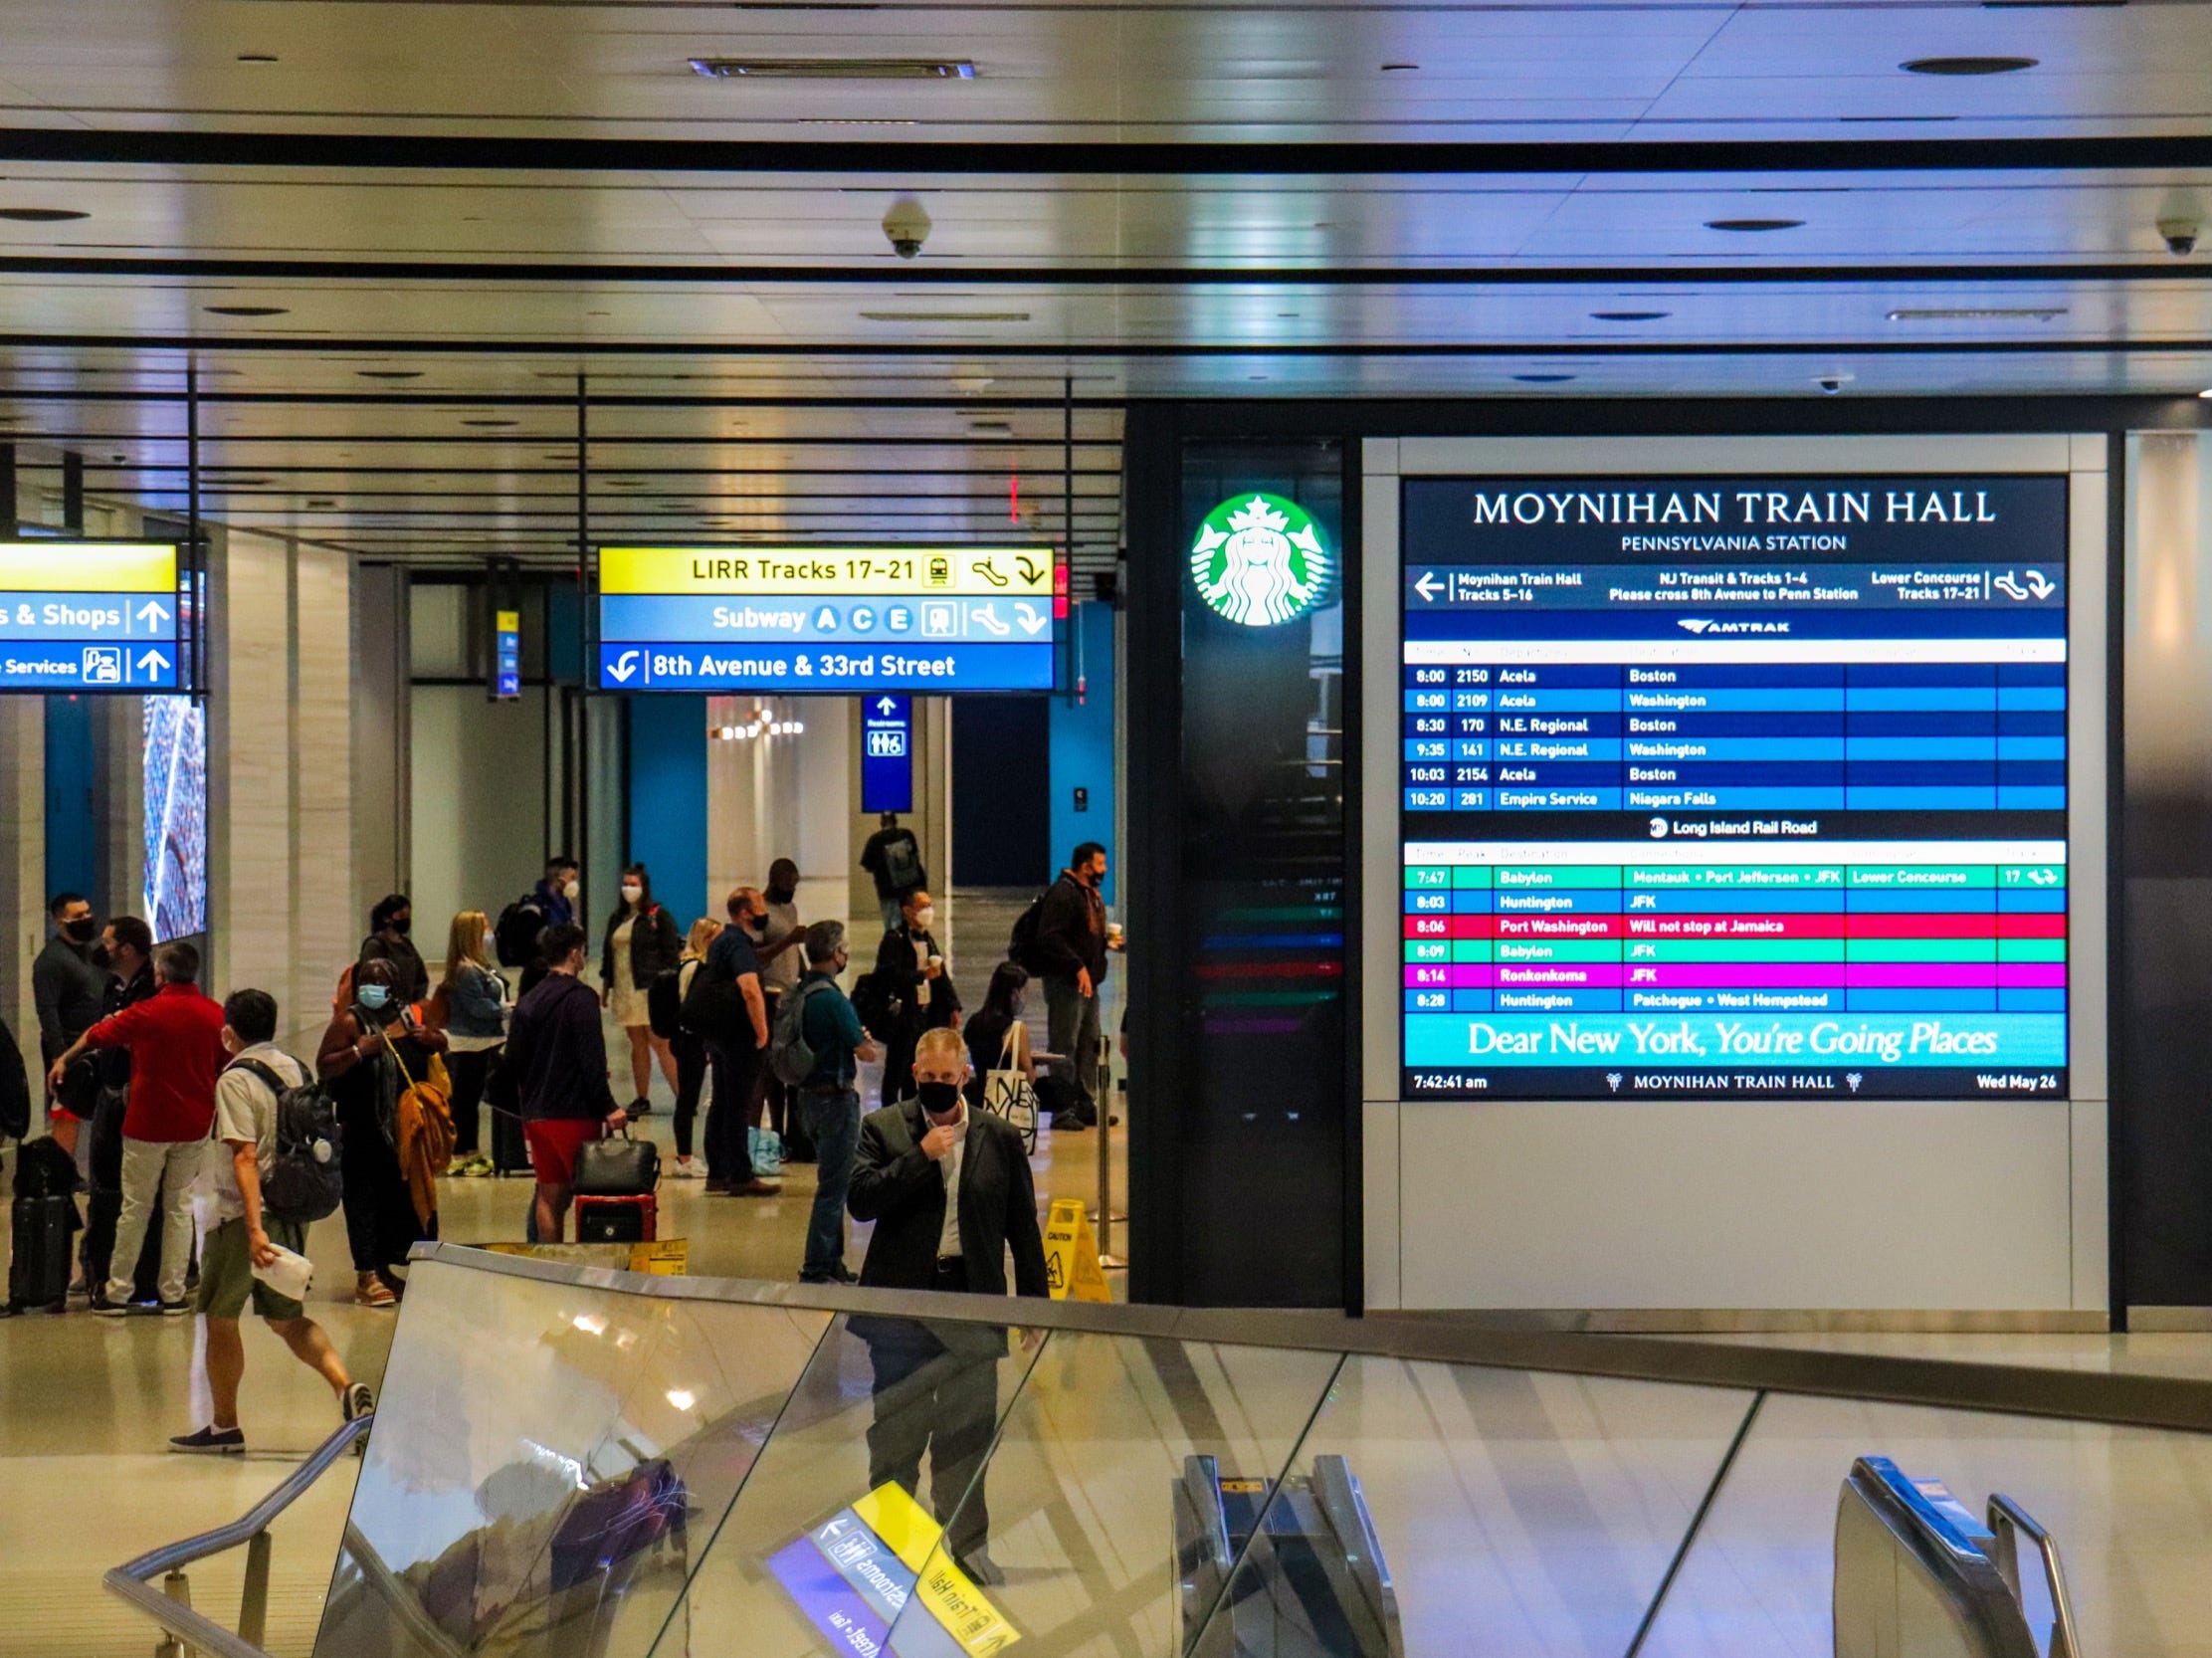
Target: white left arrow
(625, 665)
(153, 661)
(1428, 587)
(152, 614)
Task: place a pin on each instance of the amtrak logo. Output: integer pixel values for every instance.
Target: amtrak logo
(1259, 561)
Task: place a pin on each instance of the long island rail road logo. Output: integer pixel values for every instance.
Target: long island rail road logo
(1259, 561)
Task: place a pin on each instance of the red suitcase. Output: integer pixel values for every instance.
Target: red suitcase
(617, 1219)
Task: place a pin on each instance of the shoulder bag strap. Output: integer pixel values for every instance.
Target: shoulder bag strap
(385, 1031)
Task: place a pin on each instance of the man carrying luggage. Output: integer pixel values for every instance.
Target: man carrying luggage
(557, 1050)
(244, 1237)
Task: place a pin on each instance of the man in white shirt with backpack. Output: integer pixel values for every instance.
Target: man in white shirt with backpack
(248, 1094)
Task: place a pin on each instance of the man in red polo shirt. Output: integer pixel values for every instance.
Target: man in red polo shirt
(176, 1042)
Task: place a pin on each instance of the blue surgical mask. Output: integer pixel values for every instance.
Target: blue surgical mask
(373, 996)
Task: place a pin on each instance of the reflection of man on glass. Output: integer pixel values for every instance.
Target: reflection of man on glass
(950, 1193)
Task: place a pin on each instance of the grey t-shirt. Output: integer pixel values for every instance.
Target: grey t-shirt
(246, 1108)
(783, 973)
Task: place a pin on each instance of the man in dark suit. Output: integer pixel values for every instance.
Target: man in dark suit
(910, 968)
(950, 1195)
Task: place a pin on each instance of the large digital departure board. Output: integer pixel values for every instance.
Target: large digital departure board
(1748, 787)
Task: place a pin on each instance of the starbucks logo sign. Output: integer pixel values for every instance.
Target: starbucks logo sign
(1259, 560)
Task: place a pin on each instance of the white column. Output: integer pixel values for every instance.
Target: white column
(325, 930)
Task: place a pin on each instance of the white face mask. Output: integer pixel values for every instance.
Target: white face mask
(924, 915)
(575, 889)
(631, 892)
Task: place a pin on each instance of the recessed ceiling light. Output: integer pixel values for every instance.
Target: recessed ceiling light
(389, 373)
(833, 68)
(41, 215)
(248, 311)
(1286, 315)
(257, 57)
(1967, 66)
(1394, 69)
(117, 457)
(2206, 393)
(1753, 223)
(1255, 377)
(320, 501)
(1976, 314)
(1629, 316)
(1542, 379)
(945, 316)
(491, 423)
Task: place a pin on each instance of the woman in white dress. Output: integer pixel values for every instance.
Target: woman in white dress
(641, 945)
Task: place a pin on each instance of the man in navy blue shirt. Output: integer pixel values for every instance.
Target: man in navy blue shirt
(557, 894)
(736, 1033)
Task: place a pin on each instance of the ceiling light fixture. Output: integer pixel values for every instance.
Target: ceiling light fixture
(833, 68)
(945, 316)
(1967, 66)
(2206, 393)
(1544, 380)
(389, 373)
(491, 423)
(1752, 226)
(1397, 69)
(257, 57)
(1976, 314)
(41, 215)
(248, 311)
(1629, 316)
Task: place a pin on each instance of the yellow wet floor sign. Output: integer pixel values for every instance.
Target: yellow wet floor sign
(1071, 1254)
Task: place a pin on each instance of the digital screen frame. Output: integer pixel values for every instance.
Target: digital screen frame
(1835, 864)
(814, 620)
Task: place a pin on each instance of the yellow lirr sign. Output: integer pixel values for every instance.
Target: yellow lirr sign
(827, 572)
(87, 567)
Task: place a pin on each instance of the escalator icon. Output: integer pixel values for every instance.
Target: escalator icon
(986, 618)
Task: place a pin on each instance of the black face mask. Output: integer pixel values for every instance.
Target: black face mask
(938, 1098)
(781, 895)
(82, 931)
(401, 925)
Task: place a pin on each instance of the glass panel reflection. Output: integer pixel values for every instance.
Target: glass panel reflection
(1081, 1546)
(2126, 1507)
(1442, 1507)
(880, 1451)
(543, 1460)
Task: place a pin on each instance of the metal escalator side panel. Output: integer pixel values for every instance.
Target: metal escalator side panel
(1345, 1506)
(1201, 1547)
(1910, 1581)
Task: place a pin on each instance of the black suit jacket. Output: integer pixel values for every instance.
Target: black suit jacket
(895, 965)
(901, 1189)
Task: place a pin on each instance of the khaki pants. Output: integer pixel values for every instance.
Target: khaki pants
(155, 1168)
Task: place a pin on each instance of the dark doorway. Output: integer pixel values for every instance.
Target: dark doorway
(1001, 791)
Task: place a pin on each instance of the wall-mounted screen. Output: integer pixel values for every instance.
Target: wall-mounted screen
(805, 620)
(1720, 786)
(90, 616)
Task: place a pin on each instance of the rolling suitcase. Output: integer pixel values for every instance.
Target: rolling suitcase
(632, 1219)
(39, 1274)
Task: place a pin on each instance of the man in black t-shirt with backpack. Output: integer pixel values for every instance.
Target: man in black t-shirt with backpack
(894, 857)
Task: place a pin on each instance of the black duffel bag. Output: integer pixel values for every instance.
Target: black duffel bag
(617, 1167)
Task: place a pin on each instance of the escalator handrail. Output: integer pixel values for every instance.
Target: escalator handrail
(2007, 1519)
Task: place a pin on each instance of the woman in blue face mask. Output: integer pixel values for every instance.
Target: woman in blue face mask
(361, 1062)
(389, 925)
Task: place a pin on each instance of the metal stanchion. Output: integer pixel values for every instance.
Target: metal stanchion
(1102, 1092)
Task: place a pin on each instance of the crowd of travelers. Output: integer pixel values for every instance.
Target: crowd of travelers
(187, 1151)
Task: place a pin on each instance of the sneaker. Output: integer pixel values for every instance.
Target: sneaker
(641, 1107)
(688, 1168)
(210, 1441)
(357, 1402)
(105, 1308)
(175, 1309)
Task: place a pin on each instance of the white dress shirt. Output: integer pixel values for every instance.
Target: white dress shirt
(948, 1240)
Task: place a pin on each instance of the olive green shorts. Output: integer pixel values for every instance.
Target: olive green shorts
(227, 1280)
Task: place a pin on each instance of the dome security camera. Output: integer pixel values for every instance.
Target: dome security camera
(908, 227)
(1830, 383)
(2181, 235)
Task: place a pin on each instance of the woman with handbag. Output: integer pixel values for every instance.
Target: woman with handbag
(372, 1059)
(471, 1006)
(997, 1038)
(641, 943)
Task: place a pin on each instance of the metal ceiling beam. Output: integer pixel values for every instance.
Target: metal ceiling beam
(909, 159)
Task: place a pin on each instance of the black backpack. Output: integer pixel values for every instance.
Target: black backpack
(664, 1003)
(514, 938)
(877, 1007)
(301, 1183)
(903, 864)
(1021, 944)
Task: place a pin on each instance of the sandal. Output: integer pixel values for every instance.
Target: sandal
(371, 1290)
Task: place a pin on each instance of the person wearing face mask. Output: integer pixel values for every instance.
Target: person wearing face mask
(1070, 954)
(729, 1008)
(910, 968)
(950, 1193)
(826, 1100)
(389, 925)
(557, 892)
(641, 943)
(361, 1061)
(68, 987)
(174, 1040)
(782, 954)
(126, 947)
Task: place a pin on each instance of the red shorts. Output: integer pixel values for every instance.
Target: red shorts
(553, 1142)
